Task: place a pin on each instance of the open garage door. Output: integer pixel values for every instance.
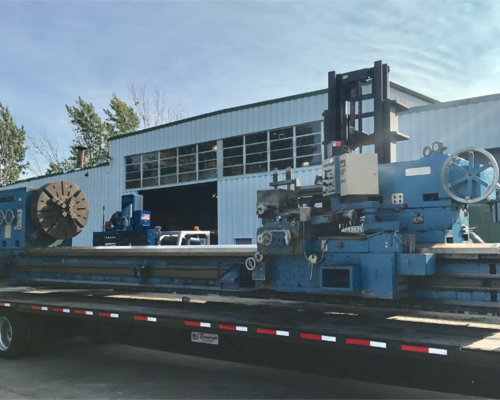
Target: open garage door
(184, 207)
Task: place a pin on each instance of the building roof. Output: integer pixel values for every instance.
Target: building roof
(259, 104)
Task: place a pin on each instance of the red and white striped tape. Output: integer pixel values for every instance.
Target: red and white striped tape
(233, 328)
(84, 312)
(39, 308)
(63, 310)
(4, 304)
(369, 343)
(428, 350)
(318, 337)
(142, 318)
(200, 324)
(273, 332)
(109, 315)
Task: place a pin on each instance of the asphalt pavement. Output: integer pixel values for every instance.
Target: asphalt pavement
(77, 369)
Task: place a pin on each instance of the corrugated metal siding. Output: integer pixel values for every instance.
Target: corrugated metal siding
(237, 196)
(406, 98)
(468, 124)
(237, 201)
(101, 190)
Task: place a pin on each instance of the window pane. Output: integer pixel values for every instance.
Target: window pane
(233, 161)
(311, 139)
(166, 180)
(211, 173)
(233, 171)
(150, 173)
(168, 162)
(168, 153)
(281, 134)
(211, 155)
(133, 184)
(187, 177)
(282, 144)
(207, 165)
(236, 151)
(207, 146)
(168, 171)
(134, 168)
(312, 160)
(187, 167)
(306, 129)
(256, 138)
(231, 142)
(187, 159)
(133, 175)
(254, 168)
(257, 148)
(150, 165)
(133, 159)
(150, 156)
(276, 155)
(252, 158)
(149, 182)
(191, 149)
(306, 150)
(282, 164)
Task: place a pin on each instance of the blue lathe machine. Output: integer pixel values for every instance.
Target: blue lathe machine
(368, 227)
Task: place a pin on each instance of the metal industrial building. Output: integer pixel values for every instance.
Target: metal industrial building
(205, 170)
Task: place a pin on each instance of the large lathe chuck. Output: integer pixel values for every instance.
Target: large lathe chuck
(60, 209)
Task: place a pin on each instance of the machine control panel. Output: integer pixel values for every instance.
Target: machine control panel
(329, 181)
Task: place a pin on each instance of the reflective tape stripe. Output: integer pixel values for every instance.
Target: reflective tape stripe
(64, 310)
(234, 328)
(147, 319)
(4, 304)
(84, 312)
(369, 343)
(200, 324)
(273, 332)
(318, 337)
(39, 308)
(427, 350)
(110, 315)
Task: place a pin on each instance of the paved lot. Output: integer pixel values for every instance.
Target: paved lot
(78, 370)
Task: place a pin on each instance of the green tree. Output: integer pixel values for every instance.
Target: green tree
(12, 148)
(89, 131)
(121, 118)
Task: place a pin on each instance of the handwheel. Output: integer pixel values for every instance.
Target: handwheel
(459, 179)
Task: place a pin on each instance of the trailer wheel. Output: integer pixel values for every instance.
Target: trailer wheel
(14, 335)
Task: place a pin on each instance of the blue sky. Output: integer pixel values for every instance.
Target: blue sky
(215, 55)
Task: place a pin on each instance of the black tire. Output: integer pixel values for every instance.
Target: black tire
(14, 334)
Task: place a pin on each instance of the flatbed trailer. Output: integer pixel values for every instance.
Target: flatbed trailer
(456, 353)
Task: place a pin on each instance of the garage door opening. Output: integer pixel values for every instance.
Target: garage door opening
(184, 207)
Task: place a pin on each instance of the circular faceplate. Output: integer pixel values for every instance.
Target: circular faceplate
(60, 209)
(461, 177)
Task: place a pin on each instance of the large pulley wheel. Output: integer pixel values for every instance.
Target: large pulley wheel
(60, 209)
(461, 176)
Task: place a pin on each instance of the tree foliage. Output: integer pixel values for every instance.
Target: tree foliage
(154, 108)
(46, 151)
(12, 148)
(89, 131)
(121, 118)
